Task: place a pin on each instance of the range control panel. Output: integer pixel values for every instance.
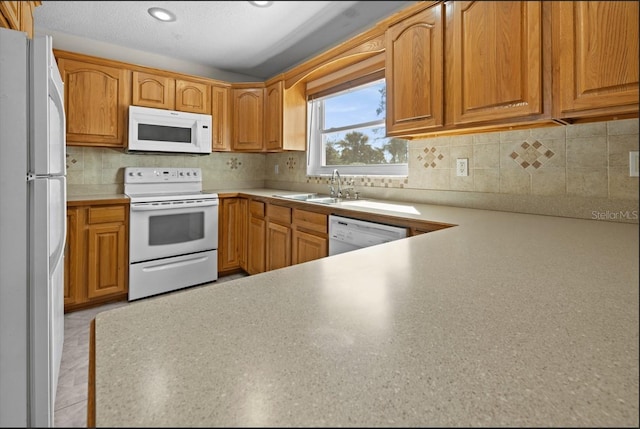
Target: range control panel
(160, 175)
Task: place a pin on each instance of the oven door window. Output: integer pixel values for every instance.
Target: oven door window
(176, 228)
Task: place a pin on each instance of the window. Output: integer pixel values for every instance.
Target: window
(347, 132)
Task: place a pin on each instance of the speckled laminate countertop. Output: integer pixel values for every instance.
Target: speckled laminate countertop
(504, 320)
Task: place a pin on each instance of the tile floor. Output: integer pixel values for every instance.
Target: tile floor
(71, 396)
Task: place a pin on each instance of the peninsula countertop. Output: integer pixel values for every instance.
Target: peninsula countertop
(503, 320)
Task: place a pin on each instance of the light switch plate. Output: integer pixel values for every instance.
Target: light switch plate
(462, 167)
(633, 163)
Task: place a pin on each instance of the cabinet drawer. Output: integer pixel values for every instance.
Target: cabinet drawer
(106, 214)
(310, 220)
(279, 214)
(256, 208)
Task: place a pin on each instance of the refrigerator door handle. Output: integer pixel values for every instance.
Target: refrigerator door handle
(58, 255)
(58, 100)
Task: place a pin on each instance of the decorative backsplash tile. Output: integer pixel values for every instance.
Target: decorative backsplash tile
(233, 163)
(431, 157)
(291, 163)
(531, 155)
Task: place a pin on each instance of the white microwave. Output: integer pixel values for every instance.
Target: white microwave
(159, 130)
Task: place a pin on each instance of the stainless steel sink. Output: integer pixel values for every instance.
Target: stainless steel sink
(324, 200)
(299, 197)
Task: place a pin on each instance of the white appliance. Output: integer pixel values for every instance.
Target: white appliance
(346, 234)
(173, 230)
(32, 229)
(159, 130)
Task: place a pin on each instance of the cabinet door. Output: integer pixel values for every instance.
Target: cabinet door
(257, 230)
(230, 225)
(241, 230)
(595, 47)
(221, 135)
(414, 72)
(72, 258)
(273, 116)
(307, 247)
(278, 246)
(95, 102)
(107, 260)
(150, 90)
(248, 119)
(26, 17)
(10, 10)
(194, 97)
(497, 65)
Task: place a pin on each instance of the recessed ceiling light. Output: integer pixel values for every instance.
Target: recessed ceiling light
(261, 3)
(161, 14)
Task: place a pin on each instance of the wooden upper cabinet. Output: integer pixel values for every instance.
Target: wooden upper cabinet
(414, 72)
(10, 14)
(18, 15)
(595, 54)
(150, 90)
(248, 108)
(194, 97)
(496, 60)
(220, 106)
(273, 116)
(96, 99)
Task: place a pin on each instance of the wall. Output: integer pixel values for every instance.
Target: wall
(101, 171)
(579, 171)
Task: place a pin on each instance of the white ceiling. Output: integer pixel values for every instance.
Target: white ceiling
(228, 35)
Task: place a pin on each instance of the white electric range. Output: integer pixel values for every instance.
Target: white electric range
(173, 230)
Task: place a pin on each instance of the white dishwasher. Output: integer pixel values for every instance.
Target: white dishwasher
(346, 234)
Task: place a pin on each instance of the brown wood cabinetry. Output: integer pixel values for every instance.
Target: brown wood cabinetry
(496, 60)
(151, 90)
(415, 72)
(232, 234)
(18, 15)
(220, 111)
(310, 239)
(166, 92)
(96, 256)
(278, 242)
(256, 238)
(96, 98)
(248, 119)
(595, 57)
(273, 116)
(194, 97)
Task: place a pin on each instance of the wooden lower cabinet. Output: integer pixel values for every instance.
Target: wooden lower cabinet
(278, 246)
(256, 236)
(232, 227)
(96, 255)
(308, 247)
(310, 238)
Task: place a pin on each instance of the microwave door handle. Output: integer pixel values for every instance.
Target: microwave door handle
(158, 207)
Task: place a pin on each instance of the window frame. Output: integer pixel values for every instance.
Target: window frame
(316, 154)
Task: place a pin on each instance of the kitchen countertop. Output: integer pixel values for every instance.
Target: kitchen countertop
(503, 320)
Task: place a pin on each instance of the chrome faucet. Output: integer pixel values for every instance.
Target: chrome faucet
(332, 190)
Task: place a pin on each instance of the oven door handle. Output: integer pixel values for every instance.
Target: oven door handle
(147, 207)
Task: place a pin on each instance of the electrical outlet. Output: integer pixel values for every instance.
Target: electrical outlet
(633, 163)
(462, 167)
(276, 169)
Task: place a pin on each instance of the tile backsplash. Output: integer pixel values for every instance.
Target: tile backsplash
(101, 170)
(574, 171)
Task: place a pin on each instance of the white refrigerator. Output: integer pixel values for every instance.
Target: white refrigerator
(32, 229)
